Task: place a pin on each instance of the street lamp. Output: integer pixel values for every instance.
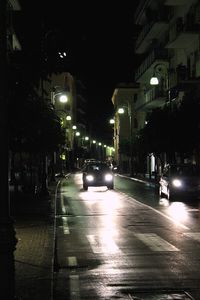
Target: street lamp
(62, 97)
(160, 72)
(161, 77)
(121, 111)
(68, 118)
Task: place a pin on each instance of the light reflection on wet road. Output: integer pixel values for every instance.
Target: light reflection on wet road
(118, 244)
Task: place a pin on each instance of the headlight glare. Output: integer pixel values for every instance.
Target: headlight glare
(89, 178)
(108, 177)
(177, 183)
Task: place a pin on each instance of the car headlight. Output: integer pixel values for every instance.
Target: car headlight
(89, 178)
(108, 177)
(177, 183)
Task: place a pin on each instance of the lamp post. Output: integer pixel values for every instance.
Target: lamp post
(74, 127)
(121, 110)
(161, 77)
(62, 97)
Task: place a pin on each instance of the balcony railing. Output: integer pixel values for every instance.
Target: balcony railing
(152, 29)
(175, 2)
(154, 97)
(158, 54)
(182, 32)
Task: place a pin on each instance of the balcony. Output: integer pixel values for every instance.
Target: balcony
(175, 2)
(183, 34)
(145, 70)
(151, 30)
(154, 97)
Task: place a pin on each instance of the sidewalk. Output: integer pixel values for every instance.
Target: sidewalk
(142, 179)
(34, 225)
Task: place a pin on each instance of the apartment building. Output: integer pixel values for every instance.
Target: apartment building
(168, 48)
(125, 123)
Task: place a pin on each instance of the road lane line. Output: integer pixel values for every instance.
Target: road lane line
(63, 207)
(101, 244)
(72, 261)
(193, 235)
(155, 243)
(74, 287)
(130, 199)
(65, 225)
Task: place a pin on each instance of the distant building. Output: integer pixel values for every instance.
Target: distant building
(125, 123)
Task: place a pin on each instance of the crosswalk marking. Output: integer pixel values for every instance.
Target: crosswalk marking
(155, 243)
(193, 235)
(101, 244)
(72, 261)
(63, 207)
(65, 225)
(74, 287)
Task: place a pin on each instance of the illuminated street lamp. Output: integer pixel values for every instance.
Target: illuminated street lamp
(160, 71)
(161, 77)
(121, 111)
(63, 98)
(68, 118)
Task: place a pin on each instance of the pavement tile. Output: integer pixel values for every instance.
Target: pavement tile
(33, 223)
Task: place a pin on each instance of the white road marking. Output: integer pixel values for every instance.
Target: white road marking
(62, 204)
(65, 225)
(130, 200)
(155, 243)
(74, 287)
(101, 244)
(72, 261)
(193, 235)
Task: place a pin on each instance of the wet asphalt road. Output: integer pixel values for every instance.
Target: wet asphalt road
(125, 243)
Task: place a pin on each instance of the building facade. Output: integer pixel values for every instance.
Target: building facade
(167, 47)
(125, 124)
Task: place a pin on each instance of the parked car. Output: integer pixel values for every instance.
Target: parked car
(180, 180)
(97, 174)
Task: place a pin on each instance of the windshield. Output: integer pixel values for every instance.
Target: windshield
(98, 167)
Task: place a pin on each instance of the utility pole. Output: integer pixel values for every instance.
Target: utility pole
(7, 233)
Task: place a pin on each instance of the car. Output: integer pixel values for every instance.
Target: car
(97, 174)
(180, 180)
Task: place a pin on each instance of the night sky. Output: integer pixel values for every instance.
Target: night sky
(99, 40)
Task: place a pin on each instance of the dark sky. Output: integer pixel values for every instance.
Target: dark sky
(99, 40)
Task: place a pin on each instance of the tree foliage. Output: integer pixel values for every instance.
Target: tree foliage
(172, 129)
(33, 125)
